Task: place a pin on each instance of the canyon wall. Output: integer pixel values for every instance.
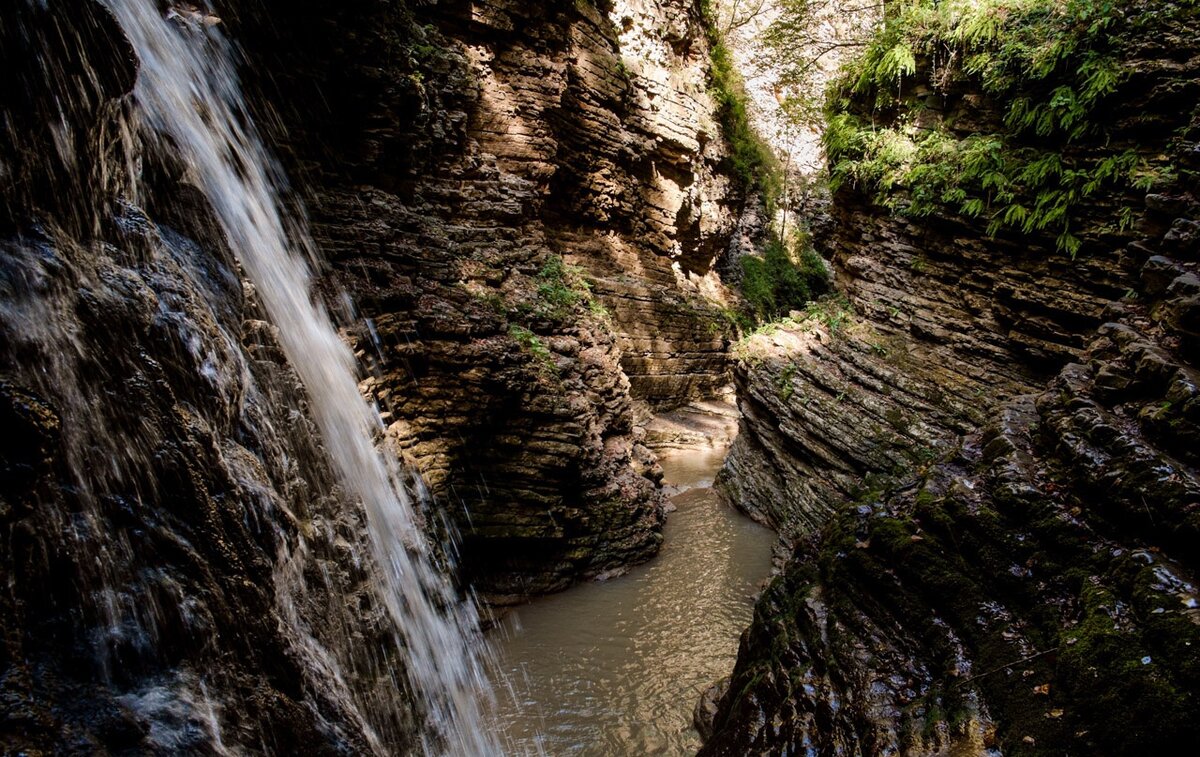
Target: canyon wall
(940, 321)
(528, 203)
(525, 204)
(182, 572)
(981, 457)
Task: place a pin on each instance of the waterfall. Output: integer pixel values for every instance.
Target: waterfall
(187, 90)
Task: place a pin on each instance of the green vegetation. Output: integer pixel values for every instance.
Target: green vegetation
(730, 322)
(560, 294)
(789, 274)
(623, 71)
(1050, 68)
(561, 288)
(784, 382)
(751, 158)
(786, 278)
(531, 343)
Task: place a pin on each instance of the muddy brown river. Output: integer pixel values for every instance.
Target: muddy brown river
(616, 667)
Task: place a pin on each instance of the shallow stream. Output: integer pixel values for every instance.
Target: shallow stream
(616, 667)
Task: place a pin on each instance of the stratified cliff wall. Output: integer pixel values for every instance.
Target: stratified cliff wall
(935, 325)
(1033, 592)
(528, 203)
(939, 321)
(181, 570)
(982, 455)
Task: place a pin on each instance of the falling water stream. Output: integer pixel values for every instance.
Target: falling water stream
(188, 92)
(608, 668)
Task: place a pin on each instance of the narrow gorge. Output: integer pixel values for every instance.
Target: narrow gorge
(405, 377)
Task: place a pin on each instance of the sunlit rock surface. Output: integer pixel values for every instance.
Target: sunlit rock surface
(528, 203)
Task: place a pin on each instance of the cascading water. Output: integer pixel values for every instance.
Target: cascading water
(187, 91)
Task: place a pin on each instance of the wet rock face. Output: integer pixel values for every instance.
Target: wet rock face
(479, 175)
(56, 97)
(1028, 585)
(150, 583)
(179, 568)
(527, 203)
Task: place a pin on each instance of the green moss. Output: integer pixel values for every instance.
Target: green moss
(729, 322)
(1074, 649)
(898, 420)
(1130, 703)
(925, 499)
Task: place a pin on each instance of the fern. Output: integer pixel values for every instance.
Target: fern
(973, 207)
(897, 63)
(1052, 67)
(1016, 215)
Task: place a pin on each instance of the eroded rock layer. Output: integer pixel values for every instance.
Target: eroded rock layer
(527, 201)
(983, 458)
(1034, 593)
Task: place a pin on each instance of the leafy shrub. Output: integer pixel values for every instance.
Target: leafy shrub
(786, 278)
(1050, 66)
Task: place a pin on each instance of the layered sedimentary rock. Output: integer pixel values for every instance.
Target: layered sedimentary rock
(981, 458)
(935, 325)
(528, 204)
(1034, 593)
(181, 571)
(940, 321)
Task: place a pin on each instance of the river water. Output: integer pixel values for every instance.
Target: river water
(616, 667)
